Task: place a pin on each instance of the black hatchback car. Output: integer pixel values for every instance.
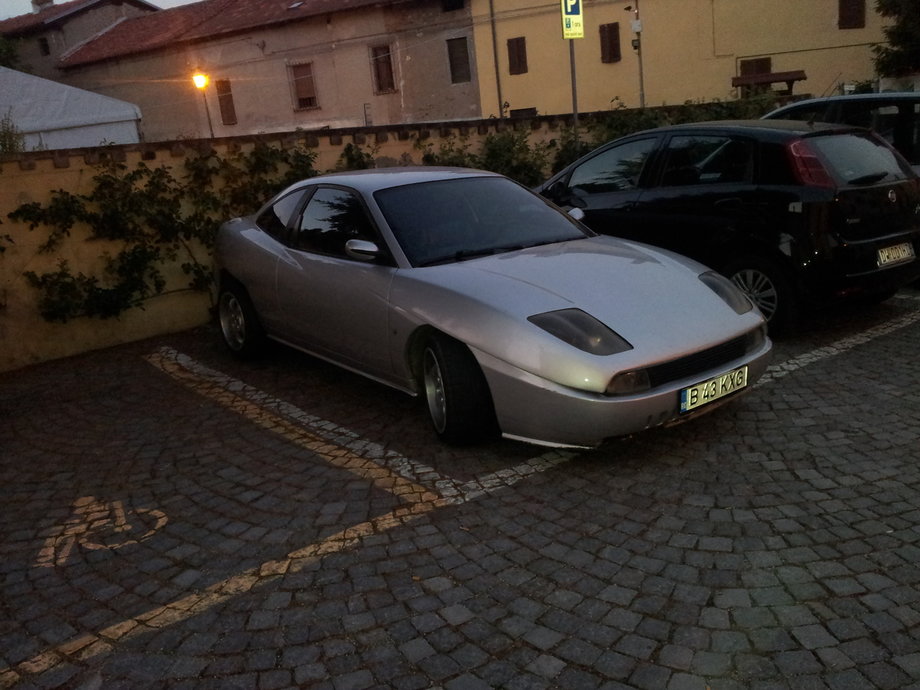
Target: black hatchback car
(798, 215)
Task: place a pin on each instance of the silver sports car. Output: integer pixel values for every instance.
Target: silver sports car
(503, 311)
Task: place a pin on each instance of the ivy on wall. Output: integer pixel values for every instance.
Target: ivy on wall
(159, 219)
(156, 219)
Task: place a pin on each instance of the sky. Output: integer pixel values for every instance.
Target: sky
(13, 8)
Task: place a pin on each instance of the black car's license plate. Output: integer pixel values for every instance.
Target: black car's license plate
(899, 253)
(713, 389)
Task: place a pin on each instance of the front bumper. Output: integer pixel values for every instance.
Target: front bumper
(532, 409)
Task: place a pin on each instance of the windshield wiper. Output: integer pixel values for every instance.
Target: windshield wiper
(465, 254)
(870, 178)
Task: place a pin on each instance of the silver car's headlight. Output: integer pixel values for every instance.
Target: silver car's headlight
(580, 329)
(727, 290)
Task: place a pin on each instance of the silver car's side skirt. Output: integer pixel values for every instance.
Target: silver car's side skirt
(404, 387)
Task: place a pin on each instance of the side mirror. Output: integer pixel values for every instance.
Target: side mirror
(556, 192)
(362, 250)
(576, 213)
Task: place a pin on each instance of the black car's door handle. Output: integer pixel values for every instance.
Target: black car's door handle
(731, 202)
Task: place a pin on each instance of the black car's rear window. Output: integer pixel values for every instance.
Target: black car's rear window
(855, 158)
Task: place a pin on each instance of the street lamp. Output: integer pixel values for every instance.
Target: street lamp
(637, 44)
(201, 82)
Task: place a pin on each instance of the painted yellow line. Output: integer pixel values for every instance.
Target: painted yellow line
(417, 500)
(89, 645)
(380, 477)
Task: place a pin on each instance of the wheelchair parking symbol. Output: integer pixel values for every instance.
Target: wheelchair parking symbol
(97, 525)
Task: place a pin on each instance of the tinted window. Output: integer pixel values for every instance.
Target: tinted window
(331, 218)
(450, 220)
(858, 159)
(816, 112)
(774, 165)
(695, 159)
(615, 169)
(276, 217)
(898, 123)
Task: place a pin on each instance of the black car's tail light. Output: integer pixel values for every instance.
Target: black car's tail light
(807, 167)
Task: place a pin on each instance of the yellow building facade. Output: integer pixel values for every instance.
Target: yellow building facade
(666, 52)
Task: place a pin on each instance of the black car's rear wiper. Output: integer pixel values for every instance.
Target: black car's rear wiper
(870, 178)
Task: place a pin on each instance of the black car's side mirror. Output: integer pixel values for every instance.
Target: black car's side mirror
(557, 192)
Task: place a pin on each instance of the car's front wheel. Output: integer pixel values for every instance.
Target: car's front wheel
(456, 392)
(767, 286)
(239, 323)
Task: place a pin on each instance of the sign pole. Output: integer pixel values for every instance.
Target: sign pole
(574, 88)
(573, 27)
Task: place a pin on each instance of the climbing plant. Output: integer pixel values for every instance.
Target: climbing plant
(154, 218)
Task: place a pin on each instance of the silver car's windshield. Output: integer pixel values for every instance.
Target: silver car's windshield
(457, 219)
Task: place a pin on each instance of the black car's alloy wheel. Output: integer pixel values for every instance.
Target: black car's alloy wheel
(766, 286)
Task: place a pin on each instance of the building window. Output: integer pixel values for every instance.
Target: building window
(382, 64)
(750, 68)
(303, 86)
(43, 46)
(517, 55)
(451, 5)
(610, 42)
(225, 101)
(852, 14)
(459, 58)
(764, 65)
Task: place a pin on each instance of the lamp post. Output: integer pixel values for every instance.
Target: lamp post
(637, 44)
(201, 82)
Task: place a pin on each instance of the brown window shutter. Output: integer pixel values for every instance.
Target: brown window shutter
(225, 101)
(304, 86)
(383, 69)
(517, 55)
(852, 14)
(610, 42)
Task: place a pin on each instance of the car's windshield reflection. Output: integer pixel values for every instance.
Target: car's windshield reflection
(453, 220)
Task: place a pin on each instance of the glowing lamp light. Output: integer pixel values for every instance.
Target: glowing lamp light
(200, 80)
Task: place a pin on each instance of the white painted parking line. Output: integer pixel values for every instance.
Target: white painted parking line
(424, 489)
(778, 371)
(448, 488)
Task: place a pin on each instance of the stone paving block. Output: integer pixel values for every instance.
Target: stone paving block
(772, 544)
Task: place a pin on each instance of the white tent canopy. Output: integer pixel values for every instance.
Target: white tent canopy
(50, 115)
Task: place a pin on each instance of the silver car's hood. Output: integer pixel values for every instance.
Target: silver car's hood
(650, 297)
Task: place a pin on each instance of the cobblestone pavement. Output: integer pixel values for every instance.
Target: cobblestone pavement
(172, 518)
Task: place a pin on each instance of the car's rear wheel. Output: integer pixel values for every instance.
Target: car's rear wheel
(239, 323)
(456, 392)
(767, 286)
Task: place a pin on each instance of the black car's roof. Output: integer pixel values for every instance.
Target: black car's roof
(779, 127)
(888, 96)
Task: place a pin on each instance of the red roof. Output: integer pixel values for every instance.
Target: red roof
(26, 23)
(201, 21)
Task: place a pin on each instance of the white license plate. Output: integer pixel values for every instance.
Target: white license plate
(713, 389)
(896, 254)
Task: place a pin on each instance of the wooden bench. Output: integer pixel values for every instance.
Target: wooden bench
(767, 79)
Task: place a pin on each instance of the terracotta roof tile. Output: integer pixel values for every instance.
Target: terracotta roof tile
(33, 21)
(27, 22)
(200, 21)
